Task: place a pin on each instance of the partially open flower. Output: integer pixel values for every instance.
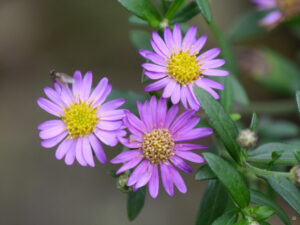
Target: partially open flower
(178, 66)
(84, 118)
(281, 10)
(247, 138)
(158, 142)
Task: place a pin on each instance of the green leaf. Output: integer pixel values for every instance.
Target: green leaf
(240, 94)
(143, 9)
(263, 154)
(137, 20)
(213, 203)
(247, 26)
(235, 116)
(227, 218)
(263, 213)
(288, 191)
(297, 156)
(174, 8)
(242, 222)
(227, 95)
(135, 203)
(185, 13)
(205, 10)
(205, 173)
(260, 199)
(220, 121)
(230, 178)
(298, 99)
(278, 129)
(140, 39)
(254, 122)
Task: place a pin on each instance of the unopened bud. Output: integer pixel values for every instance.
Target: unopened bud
(296, 175)
(247, 138)
(254, 223)
(122, 183)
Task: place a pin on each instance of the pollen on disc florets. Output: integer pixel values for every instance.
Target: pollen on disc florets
(289, 7)
(183, 67)
(80, 119)
(158, 145)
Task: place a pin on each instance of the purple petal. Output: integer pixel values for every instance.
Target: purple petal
(155, 58)
(198, 45)
(154, 182)
(210, 54)
(175, 97)
(103, 97)
(177, 180)
(138, 172)
(181, 164)
(107, 137)
(126, 156)
(53, 96)
(153, 108)
(161, 112)
(128, 144)
(157, 49)
(177, 37)
(144, 179)
(169, 39)
(154, 75)
(97, 148)
(171, 114)
(117, 114)
(183, 96)
(208, 89)
(191, 98)
(86, 86)
(169, 89)
(181, 120)
(63, 148)
(135, 122)
(49, 107)
(158, 84)
(132, 163)
(52, 132)
(76, 87)
(271, 18)
(79, 153)
(194, 134)
(191, 156)
(50, 124)
(154, 68)
(132, 128)
(99, 90)
(49, 143)
(188, 147)
(189, 38)
(210, 83)
(109, 125)
(166, 179)
(215, 72)
(87, 151)
(160, 43)
(70, 156)
(215, 63)
(111, 105)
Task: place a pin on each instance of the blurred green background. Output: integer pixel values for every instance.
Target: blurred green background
(89, 35)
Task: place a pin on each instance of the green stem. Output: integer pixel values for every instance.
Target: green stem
(263, 172)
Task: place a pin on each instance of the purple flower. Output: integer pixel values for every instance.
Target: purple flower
(157, 140)
(178, 66)
(280, 10)
(84, 118)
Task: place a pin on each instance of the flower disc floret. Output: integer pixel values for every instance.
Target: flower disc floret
(183, 67)
(80, 118)
(158, 145)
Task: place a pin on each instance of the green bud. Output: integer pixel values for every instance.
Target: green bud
(122, 183)
(247, 138)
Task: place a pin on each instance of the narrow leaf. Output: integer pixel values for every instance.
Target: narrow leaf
(298, 99)
(230, 178)
(254, 122)
(288, 191)
(135, 203)
(205, 173)
(140, 39)
(186, 13)
(227, 218)
(220, 122)
(263, 154)
(205, 10)
(260, 199)
(213, 203)
(174, 8)
(240, 94)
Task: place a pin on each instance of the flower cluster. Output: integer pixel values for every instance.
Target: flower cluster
(157, 138)
(280, 10)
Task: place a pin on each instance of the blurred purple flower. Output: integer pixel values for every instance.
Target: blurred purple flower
(280, 10)
(84, 117)
(177, 66)
(158, 142)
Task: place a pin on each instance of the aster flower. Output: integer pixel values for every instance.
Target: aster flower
(178, 66)
(280, 10)
(157, 140)
(84, 119)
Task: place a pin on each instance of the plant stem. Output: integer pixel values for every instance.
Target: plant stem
(263, 172)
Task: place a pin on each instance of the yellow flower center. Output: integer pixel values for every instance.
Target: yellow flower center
(183, 67)
(289, 7)
(158, 145)
(80, 118)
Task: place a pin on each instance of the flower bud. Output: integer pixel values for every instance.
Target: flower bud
(254, 223)
(247, 138)
(296, 175)
(122, 183)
